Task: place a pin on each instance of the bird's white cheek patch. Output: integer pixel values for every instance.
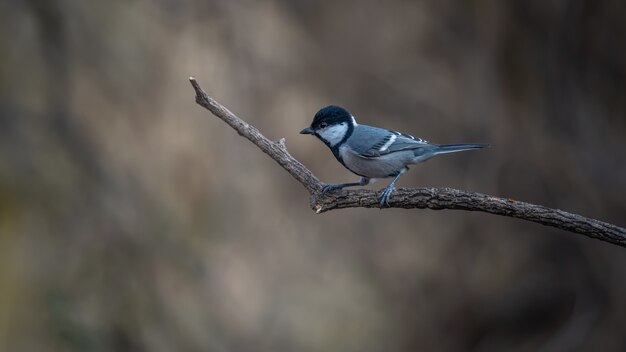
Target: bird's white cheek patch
(334, 134)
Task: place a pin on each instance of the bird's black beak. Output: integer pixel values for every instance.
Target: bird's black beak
(307, 130)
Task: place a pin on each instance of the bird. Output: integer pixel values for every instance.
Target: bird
(372, 152)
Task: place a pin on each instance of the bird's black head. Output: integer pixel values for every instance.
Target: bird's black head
(330, 117)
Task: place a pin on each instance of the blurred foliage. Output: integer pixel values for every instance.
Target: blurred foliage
(132, 220)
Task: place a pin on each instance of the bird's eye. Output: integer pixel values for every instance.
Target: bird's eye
(323, 125)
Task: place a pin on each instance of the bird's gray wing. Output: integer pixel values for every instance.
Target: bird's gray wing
(371, 142)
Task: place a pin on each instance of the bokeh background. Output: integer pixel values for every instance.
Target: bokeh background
(133, 220)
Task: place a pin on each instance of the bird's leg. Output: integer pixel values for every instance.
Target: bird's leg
(333, 186)
(386, 195)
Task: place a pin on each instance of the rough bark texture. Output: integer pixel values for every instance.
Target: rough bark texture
(408, 198)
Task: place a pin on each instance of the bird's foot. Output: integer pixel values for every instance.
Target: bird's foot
(331, 187)
(386, 195)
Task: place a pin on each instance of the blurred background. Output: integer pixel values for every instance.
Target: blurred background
(133, 220)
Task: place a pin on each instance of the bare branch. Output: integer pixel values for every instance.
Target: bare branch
(409, 198)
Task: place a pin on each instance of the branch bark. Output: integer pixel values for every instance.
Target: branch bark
(409, 198)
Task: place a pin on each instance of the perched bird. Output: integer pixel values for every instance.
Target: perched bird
(373, 152)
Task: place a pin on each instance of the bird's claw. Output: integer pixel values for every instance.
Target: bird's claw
(385, 196)
(330, 187)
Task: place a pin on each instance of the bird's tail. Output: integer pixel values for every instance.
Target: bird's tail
(423, 154)
(453, 148)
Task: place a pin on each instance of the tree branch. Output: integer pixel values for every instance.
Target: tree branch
(409, 198)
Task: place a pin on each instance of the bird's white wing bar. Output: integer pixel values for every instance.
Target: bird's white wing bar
(419, 140)
(385, 146)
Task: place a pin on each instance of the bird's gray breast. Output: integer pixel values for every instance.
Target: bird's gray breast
(375, 167)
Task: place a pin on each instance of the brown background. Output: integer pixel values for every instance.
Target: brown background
(132, 220)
